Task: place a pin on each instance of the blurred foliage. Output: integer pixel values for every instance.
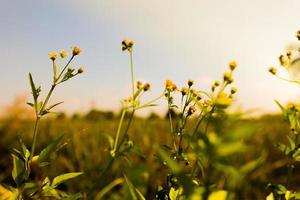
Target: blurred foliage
(85, 148)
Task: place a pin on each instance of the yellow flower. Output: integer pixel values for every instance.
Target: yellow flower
(217, 83)
(76, 51)
(52, 56)
(80, 70)
(232, 65)
(289, 54)
(170, 85)
(233, 90)
(227, 77)
(63, 54)
(272, 70)
(190, 82)
(127, 45)
(191, 110)
(146, 87)
(184, 91)
(298, 35)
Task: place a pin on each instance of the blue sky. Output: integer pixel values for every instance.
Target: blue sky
(178, 40)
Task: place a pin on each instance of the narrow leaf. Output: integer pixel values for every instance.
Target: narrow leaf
(33, 88)
(18, 170)
(54, 105)
(108, 188)
(64, 177)
(45, 153)
(135, 193)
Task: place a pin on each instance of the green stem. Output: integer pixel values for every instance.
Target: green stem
(47, 99)
(126, 130)
(132, 75)
(119, 129)
(62, 71)
(171, 127)
(150, 102)
(36, 126)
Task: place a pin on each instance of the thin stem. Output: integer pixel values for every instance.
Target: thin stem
(126, 130)
(36, 125)
(119, 129)
(47, 99)
(62, 71)
(132, 74)
(150, 102)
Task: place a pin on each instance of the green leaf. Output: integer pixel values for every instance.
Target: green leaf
(18, 170)
(292, 143)
(64, 177)
(54, 105)
(45, 153)
(107, 188)
(30, 104)
(170, 162)
(73, 197)
(33, 88)
(283, 110)
(135, 193)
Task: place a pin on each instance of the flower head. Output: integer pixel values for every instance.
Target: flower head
(227, 77)
(127, 45)
(298, 35)
(232, 65)
(190, 83)
(233, 90)
(63, 54)
(272, 70)
(80, 70)
(52, 56)
(146, 87)
(217, 83)
(184, 91)
(76, 51)
(170, 85)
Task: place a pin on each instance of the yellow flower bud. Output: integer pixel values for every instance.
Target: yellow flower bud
(232, 65)
(289, 54)
(272, 70)
(217, 83)
(227, 76)
(191, 110)
(190, 83)
(146, 87)
(184, 91)
(298, 35)
(63, 54)
(233, 90)
(52, 56)
(127, 45)
(76, 51)
(170, 85)
(80, 70)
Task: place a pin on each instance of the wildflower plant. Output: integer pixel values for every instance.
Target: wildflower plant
(25, 160)
(195, 156)
(291, 114)
(121, 145)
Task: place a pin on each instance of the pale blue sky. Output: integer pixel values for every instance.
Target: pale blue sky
(175, 39)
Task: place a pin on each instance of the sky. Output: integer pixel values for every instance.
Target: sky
(178, 40)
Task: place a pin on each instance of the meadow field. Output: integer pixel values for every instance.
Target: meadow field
(198, 150)
(85, 148)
